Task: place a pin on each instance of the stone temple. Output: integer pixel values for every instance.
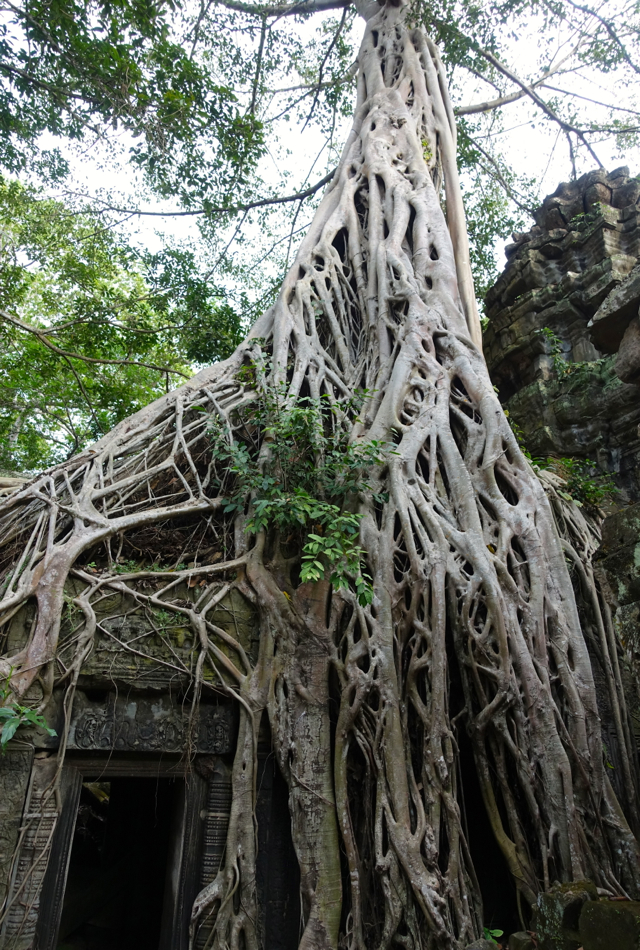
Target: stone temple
(137, 825)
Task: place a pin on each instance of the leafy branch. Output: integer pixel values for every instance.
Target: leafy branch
(296, 472)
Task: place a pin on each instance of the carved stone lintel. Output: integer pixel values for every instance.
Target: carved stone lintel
(127, 724)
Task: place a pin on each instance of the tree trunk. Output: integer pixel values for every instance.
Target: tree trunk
(473, 624)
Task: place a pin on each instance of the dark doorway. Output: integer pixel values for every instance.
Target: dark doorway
(496, 884)
(277, 870)
(116, 883)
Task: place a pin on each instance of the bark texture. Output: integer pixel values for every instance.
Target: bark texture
(473, 625)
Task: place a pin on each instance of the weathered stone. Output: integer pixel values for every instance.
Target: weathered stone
(558, 914)
(612, 318)
(521, 941)
(610, 925)
(619, 554)
(596, 194)
(628, 359)
(581, 280)
(14, 778)
(481, 944)
(139, 724)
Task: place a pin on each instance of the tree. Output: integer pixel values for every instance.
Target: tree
(360, 401)
(197, 97)
(91, 328)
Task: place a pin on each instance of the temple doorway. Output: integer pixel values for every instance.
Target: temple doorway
(118, 871)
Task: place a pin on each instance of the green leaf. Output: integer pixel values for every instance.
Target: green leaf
(8, 731)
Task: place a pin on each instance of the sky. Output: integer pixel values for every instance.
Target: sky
(534, 146)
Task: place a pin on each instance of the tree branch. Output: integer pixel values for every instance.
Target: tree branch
(500, 177)
(256, 80)
(548, 111)
(595, 102)
(608, 25)
(512, 97)
(492, 103)
(325, 59)
(43, 337)
(287, 9)
(261, 203)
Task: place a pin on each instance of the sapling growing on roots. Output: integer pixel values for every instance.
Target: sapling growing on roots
(350, 472)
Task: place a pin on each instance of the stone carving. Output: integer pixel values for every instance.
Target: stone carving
(14, 777)
(125, 724)
(39, 820)
(151, 650)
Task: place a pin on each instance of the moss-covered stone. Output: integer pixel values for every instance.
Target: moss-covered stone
(610, 925)
(558, 915)
(521, 941)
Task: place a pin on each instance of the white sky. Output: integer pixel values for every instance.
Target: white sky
(534, 146)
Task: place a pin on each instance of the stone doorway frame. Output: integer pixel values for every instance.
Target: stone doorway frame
(185, 847)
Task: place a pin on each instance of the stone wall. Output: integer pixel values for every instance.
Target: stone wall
(573, 273)
(574, 392)
(618, 562)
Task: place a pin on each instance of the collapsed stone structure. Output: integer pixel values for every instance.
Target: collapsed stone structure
(572, 285)
(574, 274)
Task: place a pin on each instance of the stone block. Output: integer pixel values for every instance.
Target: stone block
(595, 194)
(521, 941)
(558, 914)
(621, 528)
(610, 925)
(619, 554)
(628, 359)
(613, 317)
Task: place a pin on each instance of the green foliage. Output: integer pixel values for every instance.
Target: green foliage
(297, 473)
(77, 69)
(13, 715)
(585, 485)
(90, 329)
(580, 372)
(554, 346)
(490, 935)
(205, 327)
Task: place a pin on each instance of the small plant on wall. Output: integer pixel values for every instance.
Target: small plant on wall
(13, 715)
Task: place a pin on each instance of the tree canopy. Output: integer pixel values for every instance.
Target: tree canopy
(90, 329)
(193, 106)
